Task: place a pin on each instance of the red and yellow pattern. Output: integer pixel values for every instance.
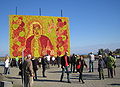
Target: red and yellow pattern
(38, 35)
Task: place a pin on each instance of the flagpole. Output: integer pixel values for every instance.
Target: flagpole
(61, 13)
(39, 11)
(16, 10)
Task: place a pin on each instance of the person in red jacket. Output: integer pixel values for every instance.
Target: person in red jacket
(64, 66)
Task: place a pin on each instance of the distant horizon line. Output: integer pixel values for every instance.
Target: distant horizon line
(83, 49)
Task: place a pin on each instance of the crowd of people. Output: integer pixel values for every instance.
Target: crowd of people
(70, 64)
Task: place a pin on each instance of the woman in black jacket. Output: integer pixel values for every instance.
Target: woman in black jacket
(80, 65)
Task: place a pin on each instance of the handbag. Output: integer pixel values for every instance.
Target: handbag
(78, 66)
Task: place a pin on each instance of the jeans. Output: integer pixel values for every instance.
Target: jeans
(6, 70)
(91, 66)
(63, 71)
(73, 67)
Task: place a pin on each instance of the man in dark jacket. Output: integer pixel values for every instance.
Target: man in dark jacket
(73, 63)
(44, 65)
(101, 65)
(35, 67)
(64, 66)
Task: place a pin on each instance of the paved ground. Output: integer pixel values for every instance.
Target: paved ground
(54, 73)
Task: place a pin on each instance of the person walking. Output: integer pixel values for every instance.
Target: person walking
(101, 65)
(28, 72)
(79, 66)
(64, 66)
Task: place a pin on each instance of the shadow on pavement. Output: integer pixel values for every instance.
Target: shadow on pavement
(45, 80)
(86, 77)
(90, 77)
(40, 76)
(13, 77)
(55, 72)
(115, 84)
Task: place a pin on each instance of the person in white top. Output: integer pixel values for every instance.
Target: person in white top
(53, 60)
(91, 62)
(7, 63)
(48, 60)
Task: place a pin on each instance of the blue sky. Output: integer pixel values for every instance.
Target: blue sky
(94, 24)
